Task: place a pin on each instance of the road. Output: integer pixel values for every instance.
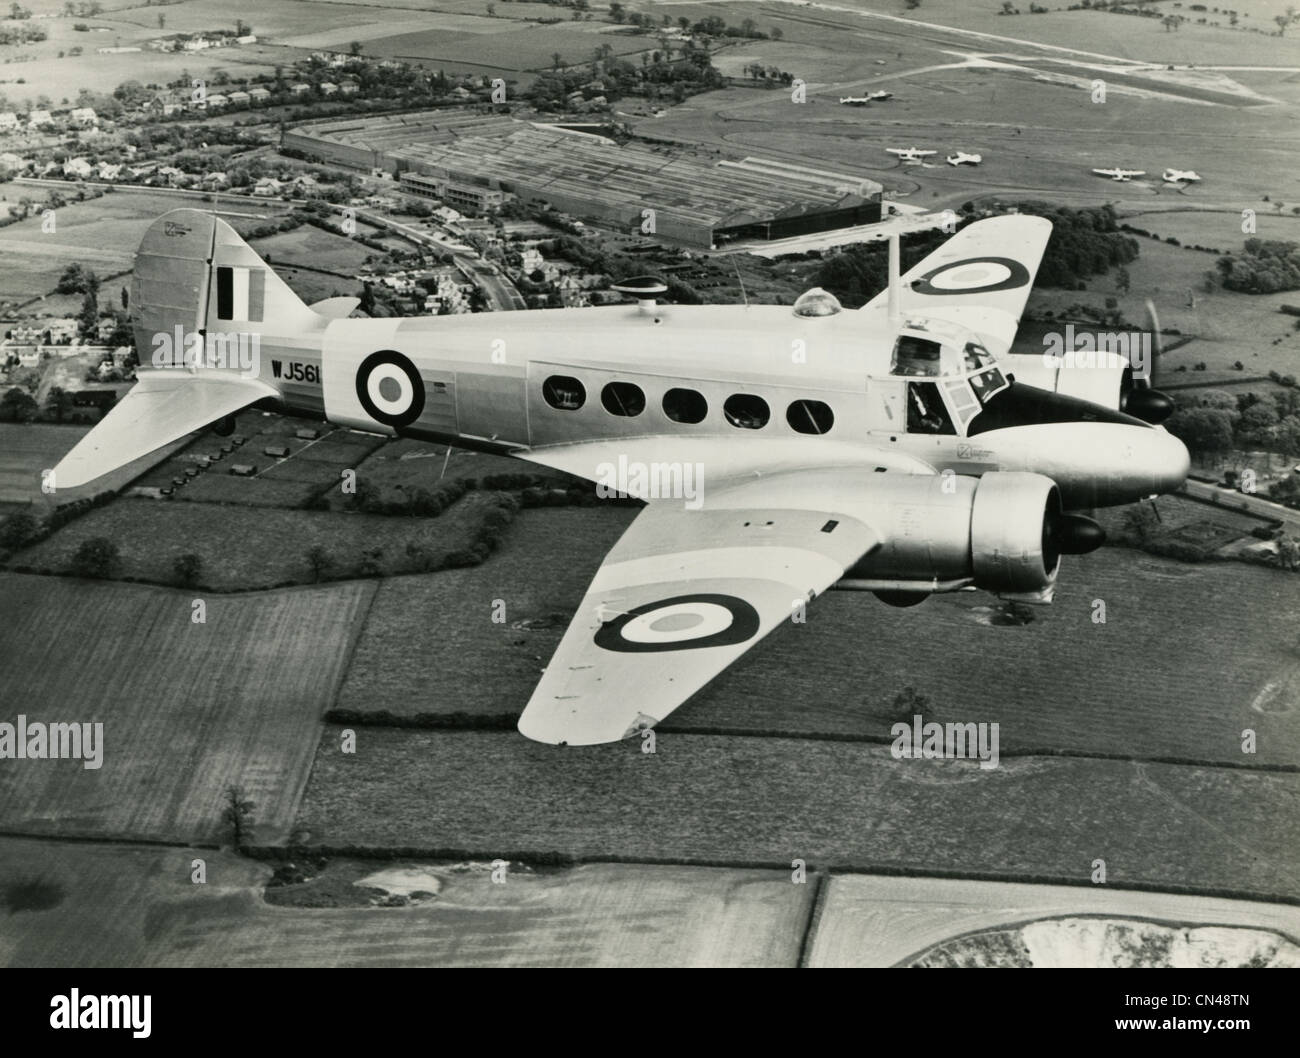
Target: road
(1240, 501)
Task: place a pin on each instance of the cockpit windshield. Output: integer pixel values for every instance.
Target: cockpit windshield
(987, 382)
(936, 349)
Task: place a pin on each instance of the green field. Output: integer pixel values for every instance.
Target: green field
(722, 799)
(98, 905)
(1128, 688)
(430, 641)
(28, 450)
(245, 548)
(187, 708)
(102, 233)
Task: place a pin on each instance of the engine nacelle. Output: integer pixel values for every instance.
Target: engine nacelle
(1004, 532)
(1012, 533)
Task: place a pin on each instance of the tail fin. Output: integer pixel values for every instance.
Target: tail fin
(201, 300)
(195, 273)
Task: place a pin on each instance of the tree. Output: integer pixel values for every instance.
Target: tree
(188, 569)
(617, 12)
(162, 20)
(318, 561)
(18, 406)
(907, 703)
(238, 814)
(58, 402)
(354, 48)
(1206, 431)
(19, 530)
(491, 10)
(776, 33)
(97, 557)
(88, 317)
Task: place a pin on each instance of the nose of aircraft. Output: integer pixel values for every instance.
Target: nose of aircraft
(1169, 461)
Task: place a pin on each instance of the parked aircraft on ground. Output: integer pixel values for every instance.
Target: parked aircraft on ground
(1122, 175)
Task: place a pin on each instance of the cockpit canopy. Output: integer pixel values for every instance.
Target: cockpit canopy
(954, 358)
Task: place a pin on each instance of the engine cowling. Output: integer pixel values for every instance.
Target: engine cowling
(1004, 532)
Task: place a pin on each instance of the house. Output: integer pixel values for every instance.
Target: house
(259, 95)
(39, 119)
(8, 121)
(77, 168)
(12, 162)
(349, 88)
(61, 328)
(216, 101)
(214, 181)
(267, 187)
(239, 99)
(110, 172)
(298, 88)
(83, 117)
(328, 88)
(247, 38)
(165, 103)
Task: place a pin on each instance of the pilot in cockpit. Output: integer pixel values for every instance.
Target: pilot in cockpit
(916, 356)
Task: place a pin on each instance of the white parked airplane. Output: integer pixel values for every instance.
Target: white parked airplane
(909, 154)
(781, 451)
(1179, 176)
(962, 158)
(861, 101)
(1122, 175)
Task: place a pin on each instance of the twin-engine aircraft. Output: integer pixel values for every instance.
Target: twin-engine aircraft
(1179, 176)
(781, 451)
(962, 158)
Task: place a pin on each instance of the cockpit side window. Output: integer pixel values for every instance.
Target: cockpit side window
(926, 412)
(916, 356)
(975, 357)
(987, 382)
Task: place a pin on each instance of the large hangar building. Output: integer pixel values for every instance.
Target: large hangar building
(676, 195)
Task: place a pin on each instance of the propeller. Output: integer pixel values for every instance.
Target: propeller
(1138, 394)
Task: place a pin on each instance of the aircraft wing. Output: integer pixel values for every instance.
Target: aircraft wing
(684, 593)
(160, 408)
(981, 278)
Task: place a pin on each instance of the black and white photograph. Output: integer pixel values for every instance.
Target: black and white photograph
(661, 484)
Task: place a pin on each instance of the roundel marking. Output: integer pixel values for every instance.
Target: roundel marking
(973, 275)
(390, 389)
(684, 622)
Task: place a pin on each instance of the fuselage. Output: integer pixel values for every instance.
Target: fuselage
(920, 395)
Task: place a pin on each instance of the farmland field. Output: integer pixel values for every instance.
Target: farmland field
(188, 709)
(101, 905)
(528, 48)
(310, 245)
(430, 640)
(1125, 688)
(245, 548)
(714, 799)
(102, 233)
(27, 450)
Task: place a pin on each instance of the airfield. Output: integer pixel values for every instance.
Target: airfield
(771, 825)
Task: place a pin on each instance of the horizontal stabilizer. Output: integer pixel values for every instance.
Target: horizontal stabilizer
(162, 407)
(339, 308)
